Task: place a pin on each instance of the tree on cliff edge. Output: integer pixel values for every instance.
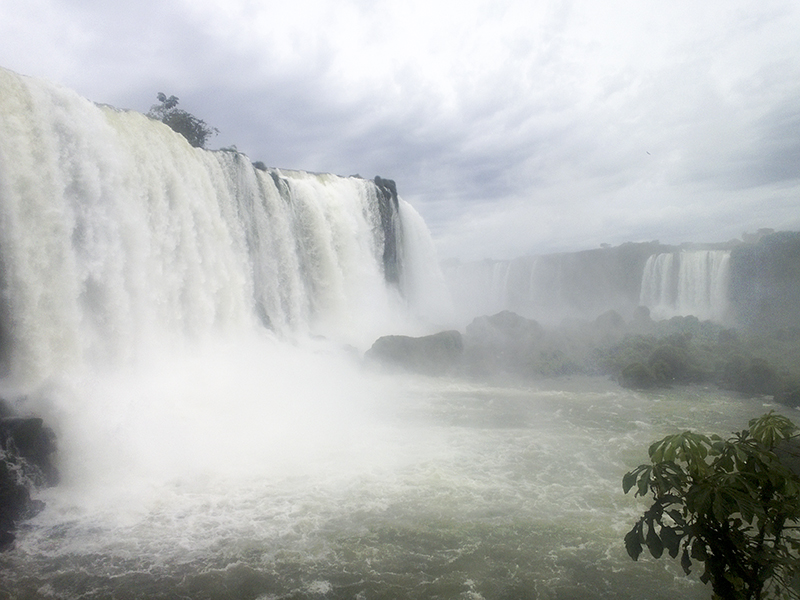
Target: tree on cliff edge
(195, 130)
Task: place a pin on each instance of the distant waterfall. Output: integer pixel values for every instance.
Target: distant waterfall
(551, 287)
(478, 288)
(116, 234)
(690, 282)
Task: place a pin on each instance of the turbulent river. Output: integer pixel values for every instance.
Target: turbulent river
(321, 478)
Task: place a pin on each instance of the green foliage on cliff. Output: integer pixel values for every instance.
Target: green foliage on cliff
(195, 130)
(732, 505)
(685, 350)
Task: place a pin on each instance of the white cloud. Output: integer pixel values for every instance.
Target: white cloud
(512, 126)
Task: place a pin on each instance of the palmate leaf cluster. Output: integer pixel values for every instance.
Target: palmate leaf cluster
(730, 504)
(195, 130)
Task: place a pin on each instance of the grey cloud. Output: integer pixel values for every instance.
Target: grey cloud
(777, 148)
(557, 142)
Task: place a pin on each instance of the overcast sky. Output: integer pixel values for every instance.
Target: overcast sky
(512, 126)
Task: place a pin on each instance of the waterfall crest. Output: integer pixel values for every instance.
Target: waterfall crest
(116, 234)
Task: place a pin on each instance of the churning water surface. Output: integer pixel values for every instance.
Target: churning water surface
(263, 471)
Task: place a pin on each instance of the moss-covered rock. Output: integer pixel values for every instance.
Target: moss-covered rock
(638, 376)
(436, 354)
(751, 376)
(640, 354)
(790, 396)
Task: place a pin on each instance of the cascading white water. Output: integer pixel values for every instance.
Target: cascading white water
(203, 456)
(657, 285)
(117, 236)
(154, 293)
(163, 305)
(422, 281)
(691, 282)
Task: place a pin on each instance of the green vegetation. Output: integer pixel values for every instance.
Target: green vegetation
(685, 350)
(195, 130)
(640, 354)
(733, 505)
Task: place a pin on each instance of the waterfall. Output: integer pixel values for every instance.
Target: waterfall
(690, 282)
(551, 287)
(117, 236)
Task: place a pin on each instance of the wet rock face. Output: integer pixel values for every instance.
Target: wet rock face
(433, 354)
(29, 440)
(388, 204)
(26, 448)
(765, 281)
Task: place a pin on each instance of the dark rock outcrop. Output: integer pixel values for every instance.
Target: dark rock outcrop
(436, 354)
(505, 343)
(26, 447)
(388, 205)
(750, 376)
(505, 332)
(789, 397)
(638, 376)
(640, 354)
(765, 282)
(29, 440)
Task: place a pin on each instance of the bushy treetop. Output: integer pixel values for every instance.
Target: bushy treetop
(195, 130)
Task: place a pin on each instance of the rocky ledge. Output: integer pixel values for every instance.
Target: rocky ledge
(640, 354)
(26, 448)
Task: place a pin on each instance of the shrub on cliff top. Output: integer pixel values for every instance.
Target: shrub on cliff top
(195, 130)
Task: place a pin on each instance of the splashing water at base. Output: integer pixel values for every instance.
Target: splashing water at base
(261, 470)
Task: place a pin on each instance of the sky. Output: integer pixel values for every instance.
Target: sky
(513, 127)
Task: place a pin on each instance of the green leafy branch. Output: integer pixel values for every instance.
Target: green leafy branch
(731, 504)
